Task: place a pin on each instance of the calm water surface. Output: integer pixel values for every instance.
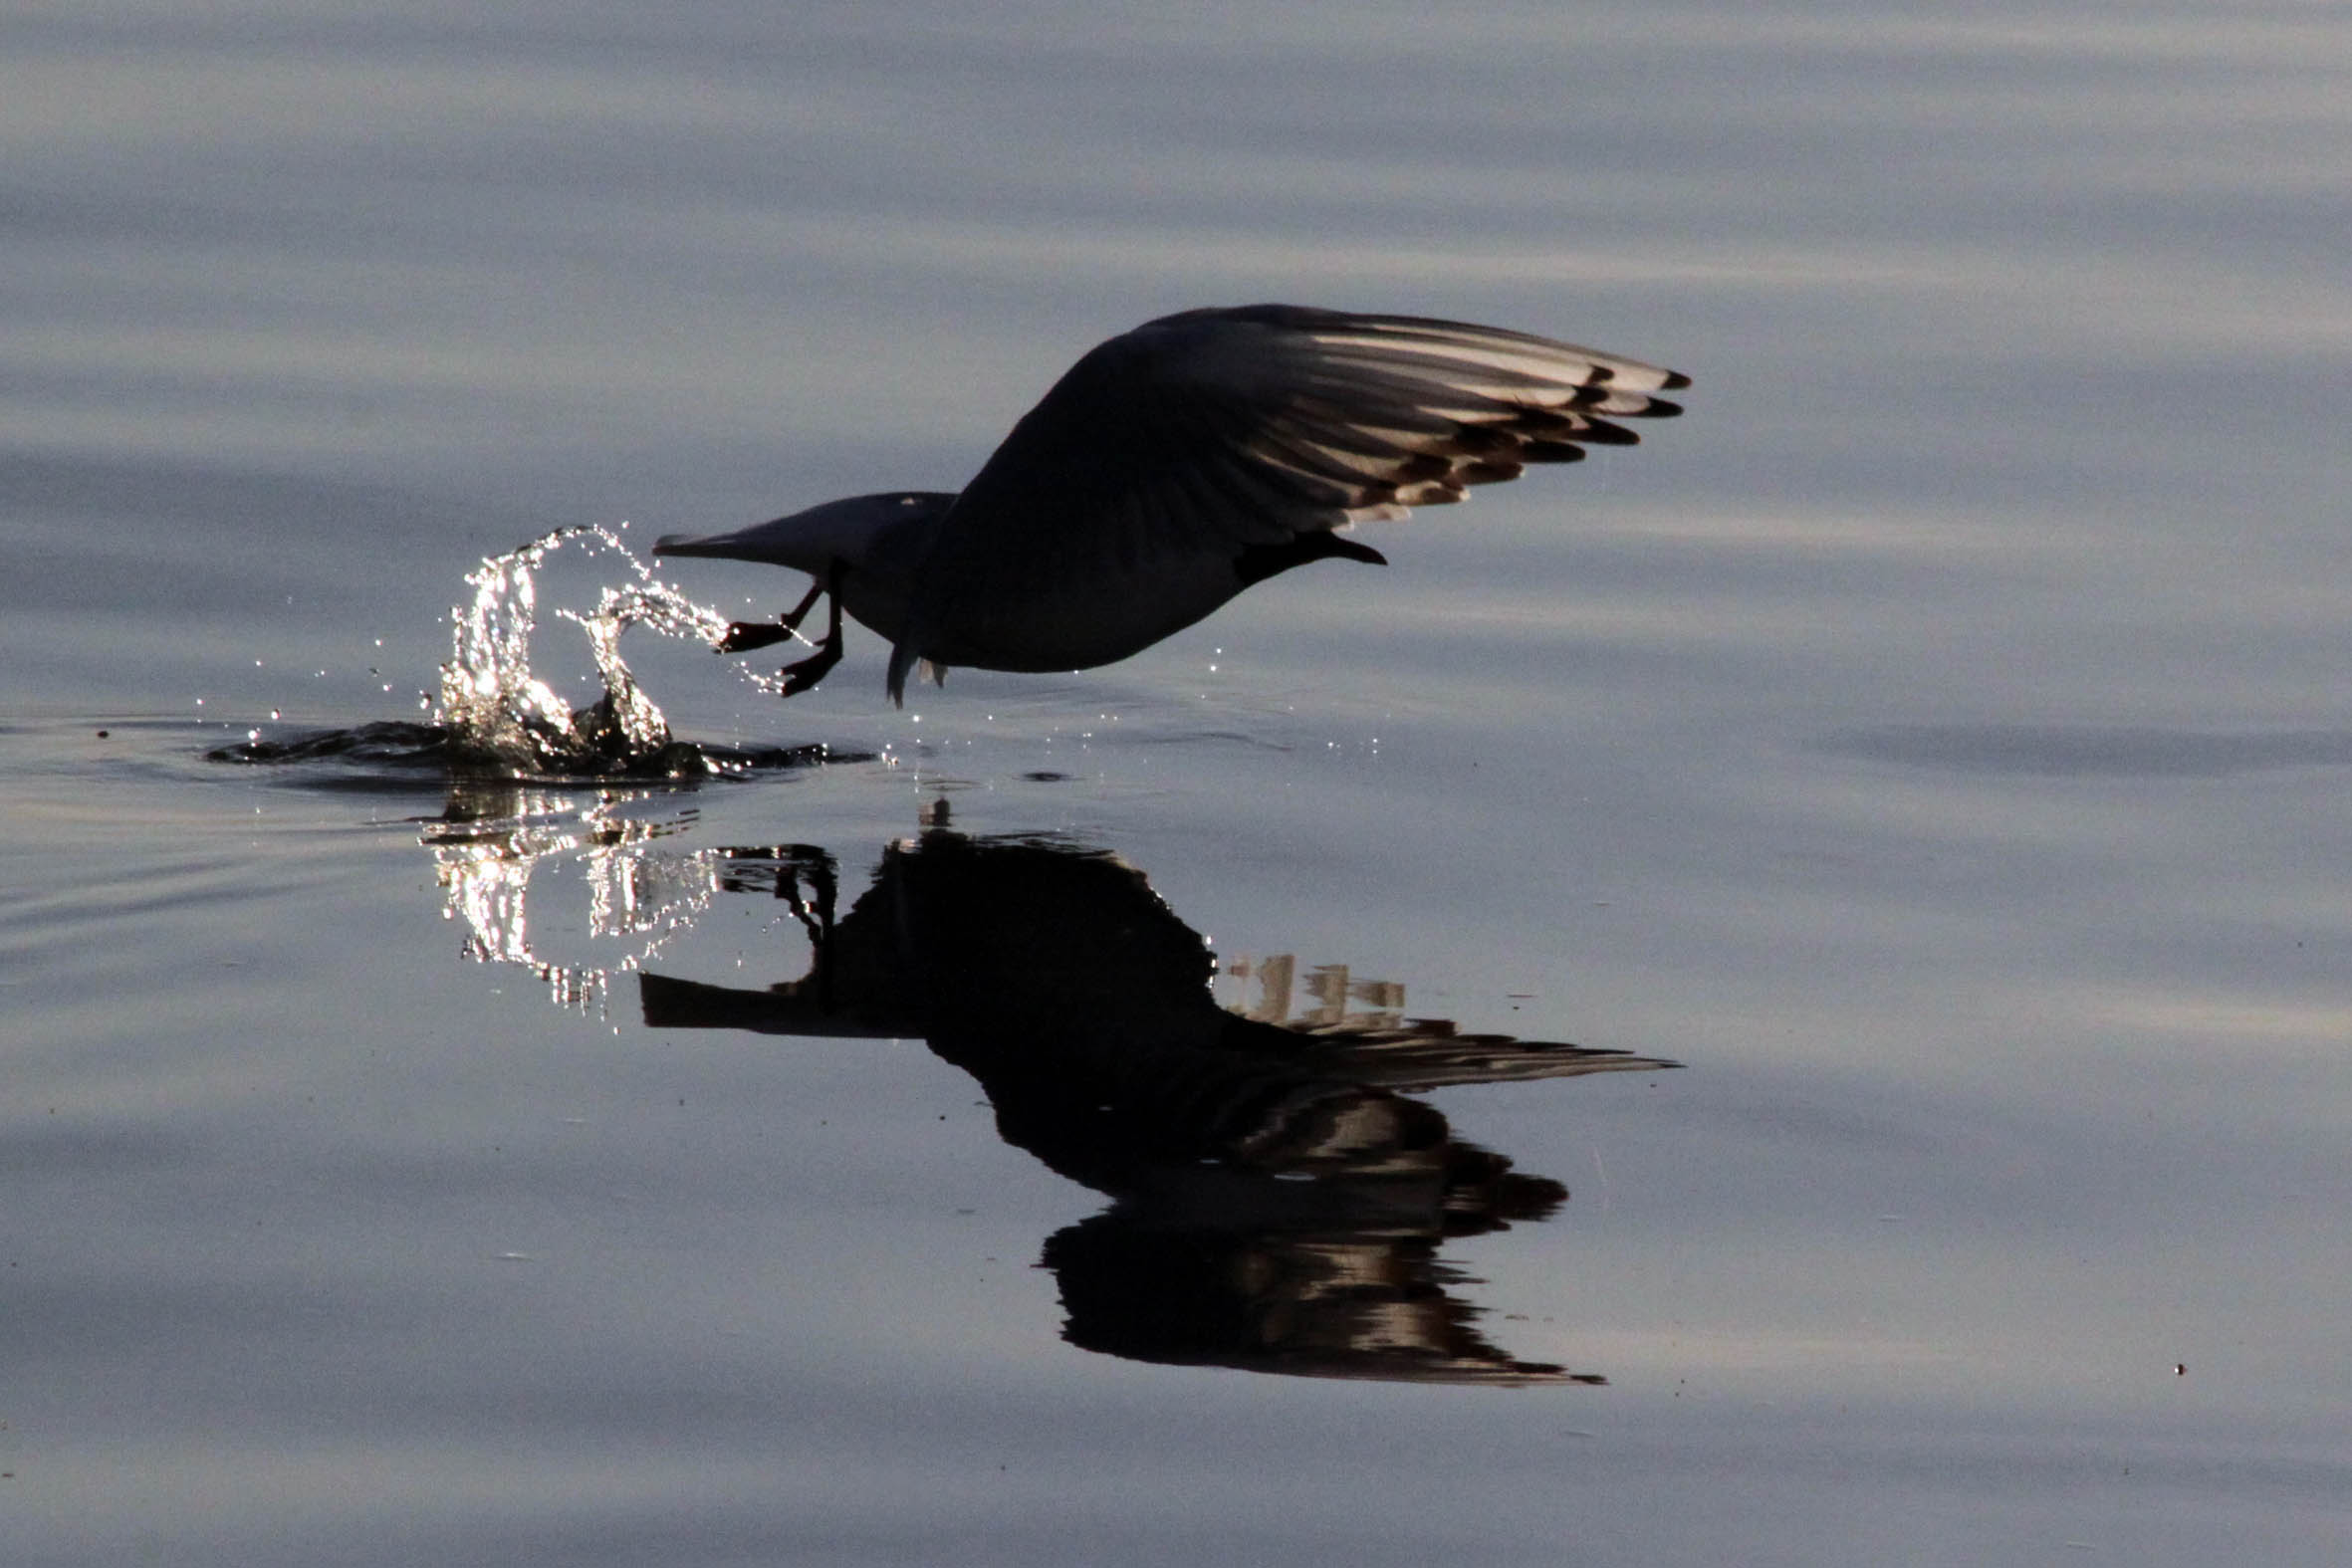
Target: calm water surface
(1935, 746)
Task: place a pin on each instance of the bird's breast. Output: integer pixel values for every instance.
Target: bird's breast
(1071, 621)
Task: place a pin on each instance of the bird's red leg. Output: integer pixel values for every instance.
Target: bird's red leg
(800, 676)
(744, 635)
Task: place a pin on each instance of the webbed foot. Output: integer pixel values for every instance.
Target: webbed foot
(804, 675)
(744, 635)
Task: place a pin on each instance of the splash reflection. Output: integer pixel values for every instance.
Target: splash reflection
(494, 836)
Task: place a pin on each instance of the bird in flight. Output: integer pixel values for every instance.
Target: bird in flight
(1176, 465)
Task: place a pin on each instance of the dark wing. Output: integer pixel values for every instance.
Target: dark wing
(1213, 431)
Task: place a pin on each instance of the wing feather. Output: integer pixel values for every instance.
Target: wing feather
(1203, 434)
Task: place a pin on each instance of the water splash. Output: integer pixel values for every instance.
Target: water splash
(498, 719)
(497, 709)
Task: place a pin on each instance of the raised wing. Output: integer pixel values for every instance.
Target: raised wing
(1199, 435)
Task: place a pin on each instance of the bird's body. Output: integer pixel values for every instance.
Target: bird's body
(1179, 463)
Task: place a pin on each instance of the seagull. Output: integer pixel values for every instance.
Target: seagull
(1174, 466)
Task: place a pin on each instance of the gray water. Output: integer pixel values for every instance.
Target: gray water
(1934, 746)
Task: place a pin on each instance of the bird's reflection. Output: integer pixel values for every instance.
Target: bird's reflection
(1280, 1199)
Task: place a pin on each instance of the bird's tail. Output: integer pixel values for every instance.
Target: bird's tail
(904, 660)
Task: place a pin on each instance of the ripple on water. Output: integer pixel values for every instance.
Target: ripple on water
(2091, 751)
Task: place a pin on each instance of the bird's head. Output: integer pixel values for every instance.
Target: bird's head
(849, 530)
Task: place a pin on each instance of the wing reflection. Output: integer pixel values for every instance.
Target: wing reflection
(1280, 1202)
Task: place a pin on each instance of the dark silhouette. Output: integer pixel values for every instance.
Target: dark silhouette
(1280, 1199)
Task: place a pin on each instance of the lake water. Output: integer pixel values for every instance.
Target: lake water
(1935, 745)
